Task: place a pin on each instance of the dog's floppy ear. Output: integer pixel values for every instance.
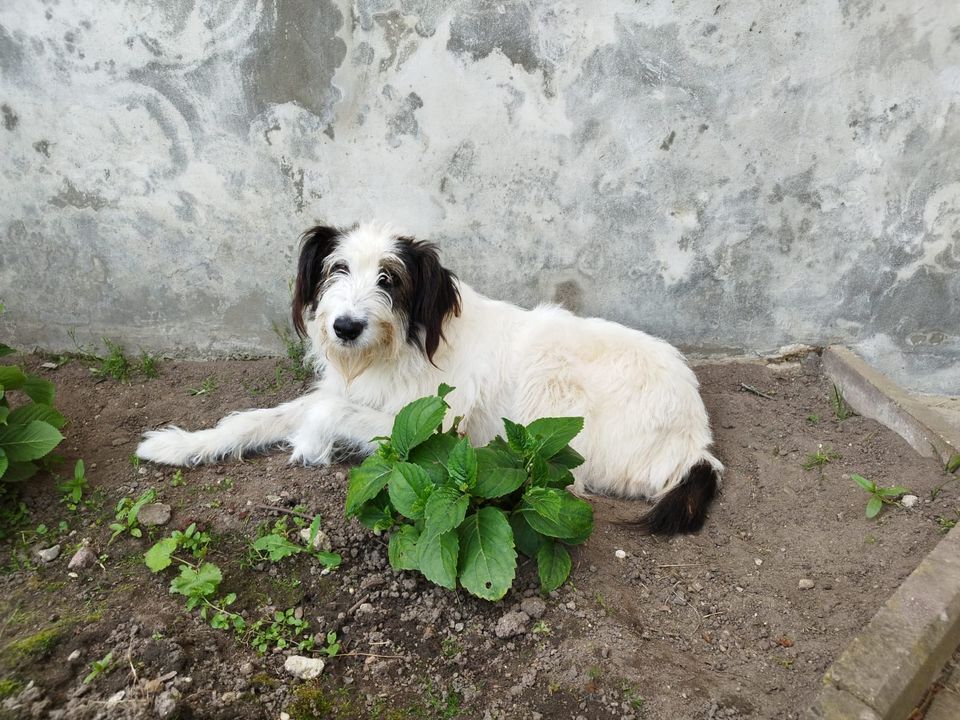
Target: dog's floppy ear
(434, 294)
(315, 244)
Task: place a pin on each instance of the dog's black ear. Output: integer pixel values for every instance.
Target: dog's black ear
(434, 295)
(315, 244)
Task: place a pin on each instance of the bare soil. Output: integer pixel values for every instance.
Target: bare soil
(706, 626)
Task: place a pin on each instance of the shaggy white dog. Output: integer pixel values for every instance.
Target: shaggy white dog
(388, 323)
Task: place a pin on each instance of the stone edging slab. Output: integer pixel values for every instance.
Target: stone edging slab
(884, 671)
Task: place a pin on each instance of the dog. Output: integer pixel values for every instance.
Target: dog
(387, 324)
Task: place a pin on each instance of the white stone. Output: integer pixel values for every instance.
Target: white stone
(758, 562)
(805, 584)
(305, 668)
(74, 656)
(908, 501)
(320, 541)
(621, 554)
(50, 554)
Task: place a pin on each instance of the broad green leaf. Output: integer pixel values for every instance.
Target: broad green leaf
(573, 519)
(432, 456)
(863, 482)
(462, 463)
(488, 561)
(11, 377)
(499, 473)
(518, 438)
(30, 441)
(276, 546)
(3, 462)
(329, 560)
(557, 476)
(376, 516)
(36, 411)
(409, 487)
(526, 539)
(199, 583)
(39, 390)
(444, 390)
(157, 558)
(553, 434)
(553, 565)
(873, 507)
(78, 472)
(539, 472)
(416, 422)
(148, 497)
(446, 507)
(892, 491)
(402, 550)
(437, 557)
(6, 350)
(953, 464)
(366, 481)
(4, 413)
(568, 458)
(19, 471)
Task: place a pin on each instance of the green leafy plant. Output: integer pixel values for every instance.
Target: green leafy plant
(275, 546)
(115, 364)
(879, 496)
(296, 353)
(148, 365)
(126, 515)
(460, 513)
(841, 411)
(332, 647)
(813, 419)
(73, 488)
(208, 385)
(30, 431)
(99, 667)
(177, 479)
(953, 464)
(820, 458)
(281, 631)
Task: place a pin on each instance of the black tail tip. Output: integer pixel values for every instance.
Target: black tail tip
(683, 509)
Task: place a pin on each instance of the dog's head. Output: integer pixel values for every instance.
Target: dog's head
(364, 294)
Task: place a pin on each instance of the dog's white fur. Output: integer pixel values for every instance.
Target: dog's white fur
(645, 425)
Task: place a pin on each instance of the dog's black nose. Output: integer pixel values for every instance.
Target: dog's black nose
(347, 328)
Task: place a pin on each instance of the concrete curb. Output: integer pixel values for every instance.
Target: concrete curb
(884, 671)
(874, 395)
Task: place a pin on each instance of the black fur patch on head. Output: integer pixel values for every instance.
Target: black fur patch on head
(429, 294)
(315, 245)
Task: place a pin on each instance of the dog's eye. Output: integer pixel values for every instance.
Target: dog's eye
(384, 280)
(339, 268)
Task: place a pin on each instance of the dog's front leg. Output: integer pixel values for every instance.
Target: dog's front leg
(333, 422)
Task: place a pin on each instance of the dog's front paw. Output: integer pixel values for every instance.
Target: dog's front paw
(170, 446)
(306, 452)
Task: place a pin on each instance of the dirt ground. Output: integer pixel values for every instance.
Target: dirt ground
(706, 626)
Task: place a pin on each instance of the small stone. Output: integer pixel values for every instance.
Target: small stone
(284, 716)
(50, 554)
(758, 562)
(534, 607)
(805, 584)
(82, 558)
(908, 501)
(512, 623)
(247, 668)
(118, 441)
(273, 499)
(154, 514)
(365, 608)
(116, 697)
(74, 656)
(305, 668)
(320, 541)
(165, 705)
(620, 554)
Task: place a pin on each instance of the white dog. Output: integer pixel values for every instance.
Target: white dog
(387, 324)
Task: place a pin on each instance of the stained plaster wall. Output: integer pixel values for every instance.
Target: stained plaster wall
(733, 176)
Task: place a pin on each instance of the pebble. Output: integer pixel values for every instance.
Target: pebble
(165, 705)
(247, 668)
(116, 697)
(806, 584)
(365, 608)
(620, 554)
(74, 656)
(534, 607)
(305, 668)
(82, 558)
(908, 501)
(118, 441)
(154, 514)
(758, 562)
(320, 542)
(512, 623)
(50, 554)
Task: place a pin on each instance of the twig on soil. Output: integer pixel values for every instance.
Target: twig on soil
(130, 662)
(284, 510)
(363, 654)
(679, 565)
(750, 388)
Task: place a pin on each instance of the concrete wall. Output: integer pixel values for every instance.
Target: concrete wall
(733, 176)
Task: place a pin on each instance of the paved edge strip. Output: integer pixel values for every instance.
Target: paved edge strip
(884, 671)
(874, 395)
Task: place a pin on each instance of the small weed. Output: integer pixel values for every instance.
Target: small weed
(274, 546)
(820, 458)
(100, 667)
(34, 647)
(541, 628)
(946, 523)
(115, 364)
(595, 672)
(282, 631)
(841, 411)
(296, 353)
(72, 490)
(631, 696)
(126, 515)
(135, 462)
(177, 479)
(601, 601)
(879, 496)
(9, 687)
(148, 365)
(208, 386)
(813, 419)
(953, 464)
(333, 645)
(450, 647)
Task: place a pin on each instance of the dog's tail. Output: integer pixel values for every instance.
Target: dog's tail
(234, 435)
(684, 508)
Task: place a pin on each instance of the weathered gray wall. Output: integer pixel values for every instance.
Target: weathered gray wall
(730, 175)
